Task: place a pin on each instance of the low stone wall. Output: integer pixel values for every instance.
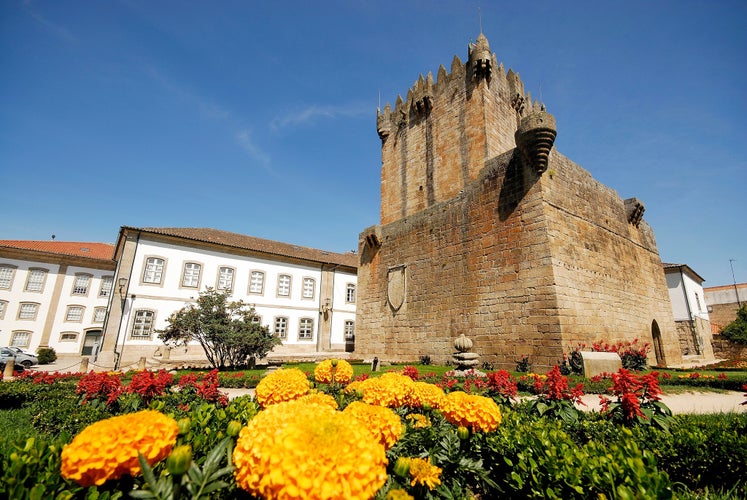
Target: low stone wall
(724, 349)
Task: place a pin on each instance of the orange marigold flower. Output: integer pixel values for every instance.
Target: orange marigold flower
(383, 422)
(108, 449)
(419, 421)
(281, 385)
(319, 398)
(342, 370)
(298, 450)
(425, 395)
(422, 472)
(470, 410)
(398, 494)
(391, 389)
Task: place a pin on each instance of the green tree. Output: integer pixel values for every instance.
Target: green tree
(227, 331)
(736, 331)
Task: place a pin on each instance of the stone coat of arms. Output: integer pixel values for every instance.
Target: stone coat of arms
(396, 287)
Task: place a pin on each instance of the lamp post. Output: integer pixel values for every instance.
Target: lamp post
(734, 280)
(122, 291)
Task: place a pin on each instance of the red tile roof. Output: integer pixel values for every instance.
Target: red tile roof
(241, 241)
(99, 251)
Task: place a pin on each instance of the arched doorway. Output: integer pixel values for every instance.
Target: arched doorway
(658, 345)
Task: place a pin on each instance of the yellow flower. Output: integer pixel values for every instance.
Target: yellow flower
(391, 389)
(383, 422)
(300, 450)
(281, 385)
(419, 421)
(343, 371)
(425, 394)
(108, 449)
(398, 494)
(319, 398)
(422, 472)
(470, 410)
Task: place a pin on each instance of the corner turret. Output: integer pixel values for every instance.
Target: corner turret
(481, 59)
(535, 137)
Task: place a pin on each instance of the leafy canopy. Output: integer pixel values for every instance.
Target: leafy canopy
(736, 331)
(228, 331)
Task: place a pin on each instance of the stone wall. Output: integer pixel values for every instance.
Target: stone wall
(724, 349)
(722, 314)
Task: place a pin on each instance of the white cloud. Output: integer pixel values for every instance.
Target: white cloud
(308, 114)
(55, 29)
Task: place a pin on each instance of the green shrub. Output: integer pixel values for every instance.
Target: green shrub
(701, 450)
(736, 331)
(46, 355)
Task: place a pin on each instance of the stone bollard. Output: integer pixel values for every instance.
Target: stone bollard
(8, 373)
(83, 365)
(141, 363)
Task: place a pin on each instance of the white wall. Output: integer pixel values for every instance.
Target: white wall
(170, 295)
(686, 295)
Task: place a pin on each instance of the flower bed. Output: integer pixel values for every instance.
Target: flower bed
(401, 435)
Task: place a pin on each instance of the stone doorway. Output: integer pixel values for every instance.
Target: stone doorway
(658, 345)
(91, 340)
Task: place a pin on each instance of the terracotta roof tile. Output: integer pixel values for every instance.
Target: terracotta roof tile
(241, 241)
(99, 251)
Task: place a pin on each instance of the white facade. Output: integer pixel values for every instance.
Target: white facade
(685, 293)
(308, 303)
(50, 299)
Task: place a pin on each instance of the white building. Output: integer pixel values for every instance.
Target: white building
(306, 296)
(689, 310)
(54, 294)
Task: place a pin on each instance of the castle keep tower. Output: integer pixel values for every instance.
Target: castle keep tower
(488, 231)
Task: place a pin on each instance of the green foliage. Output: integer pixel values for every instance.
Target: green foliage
(538, 459)
(31, 470)
(46, 355)
(523, 365)
(226, 330)
(198, 483)
(736, 331)
(701, 451)
(56, 408)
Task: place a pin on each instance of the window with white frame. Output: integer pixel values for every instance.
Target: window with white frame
(74, 313)
(28, 310)
(256, 320)
(349, 330)
(6, 276)
(107, 282)
(281, 327)
(153, 270)
(69, 337)
(191, 275)
(305, 329)
(350, 293)
(142, 325)
(3, 307)
(35, 280)
(20, 338)
(309, 285)
(284, 285)
(225, 279)
(82, 284)
(257, 282)
(99, 314)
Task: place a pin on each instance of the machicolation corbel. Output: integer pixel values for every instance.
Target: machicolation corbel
(634, 209)
(535, 138)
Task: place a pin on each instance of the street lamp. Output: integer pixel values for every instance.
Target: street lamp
(736, 290)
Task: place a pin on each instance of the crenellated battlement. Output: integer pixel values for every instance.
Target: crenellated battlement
(439, 137)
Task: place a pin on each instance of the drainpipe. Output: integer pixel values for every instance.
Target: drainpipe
(690, 313)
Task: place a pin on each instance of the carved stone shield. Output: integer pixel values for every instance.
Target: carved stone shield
(396, 287)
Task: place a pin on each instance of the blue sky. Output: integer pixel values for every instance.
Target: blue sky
(259, 117)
